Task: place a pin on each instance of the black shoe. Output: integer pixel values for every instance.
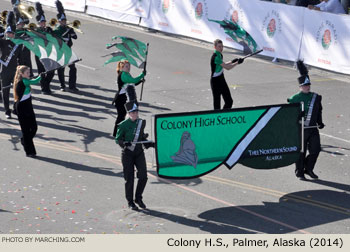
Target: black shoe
(302, 177)
(63, 89)
(31, 155)
(8, 114)
(46, 92)
(311, 174)
(132, 206)
(74, 89)
(140, 203)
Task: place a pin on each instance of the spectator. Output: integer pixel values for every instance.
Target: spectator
(333, 6)
(306, 3)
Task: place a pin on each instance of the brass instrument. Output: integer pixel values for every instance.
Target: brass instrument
(26, 10)
(32, 26)
(76, 26)
(53, 22)
(3, 17)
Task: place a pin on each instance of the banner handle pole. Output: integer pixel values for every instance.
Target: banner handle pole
(302, 128)
(144, 70)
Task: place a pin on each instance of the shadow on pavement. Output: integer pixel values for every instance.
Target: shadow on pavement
(211, 227)
(301, 210)
(344, 187)
(186, 182)
(81, 167)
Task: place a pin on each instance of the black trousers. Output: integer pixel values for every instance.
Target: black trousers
(119, 104)
(220, 88)
(27, 121)
(72, 81)
(312, 144)
(130, 160)
(45, 81)
(7, 75)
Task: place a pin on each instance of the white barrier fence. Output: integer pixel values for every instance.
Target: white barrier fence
(74, 5)
(283, 31)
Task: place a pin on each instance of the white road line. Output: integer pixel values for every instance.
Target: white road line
(88, 67)
(337, 138)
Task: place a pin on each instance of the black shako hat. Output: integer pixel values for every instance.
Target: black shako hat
(60, 9)
(304, 78)
(131, 107)
(11, 23)
(39, 9)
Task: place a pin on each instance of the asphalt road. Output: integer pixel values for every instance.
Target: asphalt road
(75, 185)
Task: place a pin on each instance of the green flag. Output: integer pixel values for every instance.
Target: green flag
(238, 34)
(192, 144)
(51, 50)
(129, 49)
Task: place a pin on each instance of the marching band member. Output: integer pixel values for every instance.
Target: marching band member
(9, 61)
(67, 34)
(46, 79)
(126, 90)
(131, 131)
(313, 122)
(24, 107)
(217, 80)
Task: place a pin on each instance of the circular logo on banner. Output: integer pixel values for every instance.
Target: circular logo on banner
(271, 28)
(199, 9)
(235, 13)
(327, 35)
(234, 16)
(165, 6)
(272, 24)
(326, 39)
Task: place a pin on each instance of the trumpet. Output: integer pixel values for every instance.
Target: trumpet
(53, 22)
(32, 26)
(3, 17)
(76, 26)
(26, 10)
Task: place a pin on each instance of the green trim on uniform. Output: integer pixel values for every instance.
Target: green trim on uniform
(28, 82)
(126, 130)
(302, 97)
(218, 61)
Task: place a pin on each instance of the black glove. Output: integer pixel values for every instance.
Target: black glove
(240, 61)
(42, 75)
(127, 144)
(321, 126)
(144, 72)
(148, 145)
(234, 60)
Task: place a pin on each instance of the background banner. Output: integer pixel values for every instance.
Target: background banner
(277, 28)
(139, 8)
(112, 15)
(193, 144)
(75, 5)
(326, 41)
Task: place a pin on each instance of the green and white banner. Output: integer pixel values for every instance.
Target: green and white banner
(193, 144)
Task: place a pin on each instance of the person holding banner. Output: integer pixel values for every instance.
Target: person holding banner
(126, 90)
(218, 83)
(42, 28)
(9, 61)
(313, 122)
(24, 107)
(131, 138)
(66, 34)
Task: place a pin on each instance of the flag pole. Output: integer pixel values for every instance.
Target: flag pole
(144, 69)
